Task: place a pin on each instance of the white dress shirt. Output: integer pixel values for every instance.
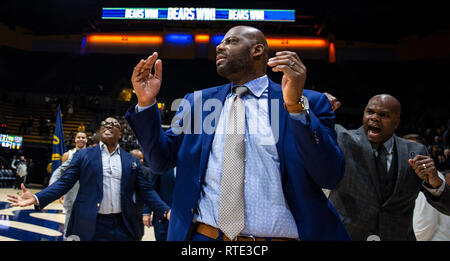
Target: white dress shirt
(112, 174)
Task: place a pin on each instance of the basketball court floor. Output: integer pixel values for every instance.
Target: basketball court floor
(25, 224)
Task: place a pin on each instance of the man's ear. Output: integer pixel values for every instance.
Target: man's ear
(258, 50)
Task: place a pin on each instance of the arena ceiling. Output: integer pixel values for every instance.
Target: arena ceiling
(354, 20)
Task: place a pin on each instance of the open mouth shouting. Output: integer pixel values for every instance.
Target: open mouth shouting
(373, 131)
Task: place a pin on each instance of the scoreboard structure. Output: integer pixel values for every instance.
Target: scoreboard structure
(199, 14)
(11, 141)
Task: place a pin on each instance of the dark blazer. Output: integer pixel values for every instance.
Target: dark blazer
(309, 160)
(86, 166)
(163, 185)
(358, 198)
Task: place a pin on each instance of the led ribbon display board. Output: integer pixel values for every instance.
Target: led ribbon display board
(11, 141)
(199, 14)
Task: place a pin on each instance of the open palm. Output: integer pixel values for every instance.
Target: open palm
(26, 199)
(146, 85)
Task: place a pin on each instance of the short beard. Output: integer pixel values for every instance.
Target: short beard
(239, 65)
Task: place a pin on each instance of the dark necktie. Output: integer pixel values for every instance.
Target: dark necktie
(382, 171)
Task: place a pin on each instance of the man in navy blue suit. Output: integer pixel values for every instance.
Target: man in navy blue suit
(163, 185)
(286, 155)
(104, 209)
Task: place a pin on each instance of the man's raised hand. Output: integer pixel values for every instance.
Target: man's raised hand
(294, 75)
(26, 199)
(145, 84)
(425, 169)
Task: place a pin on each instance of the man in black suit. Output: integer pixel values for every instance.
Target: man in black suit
(383, 176)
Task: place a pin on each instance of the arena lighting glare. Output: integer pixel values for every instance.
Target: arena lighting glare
(132, 39)
(202, 38)
(187, 39)
(284, 42)
(180, 39)
(297, 42)
(199, 14)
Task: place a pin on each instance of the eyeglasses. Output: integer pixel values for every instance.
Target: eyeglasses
(110, 123)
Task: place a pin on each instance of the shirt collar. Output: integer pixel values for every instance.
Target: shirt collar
(389, 144)
(104, 147)
(256, 86)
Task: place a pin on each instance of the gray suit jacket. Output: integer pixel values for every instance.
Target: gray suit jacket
(358, 200)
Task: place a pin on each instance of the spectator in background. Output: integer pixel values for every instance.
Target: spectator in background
(437, 141)
(163, 185)
(69, 197)
(70, 110)
(443, 160)
(145, 220)
(47, 128)
(446, 135)
(22, 171)
(447, 156)
(14, 163)
(93, 140)
(428, 137)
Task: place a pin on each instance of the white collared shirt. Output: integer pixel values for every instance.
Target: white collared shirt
(112, 174)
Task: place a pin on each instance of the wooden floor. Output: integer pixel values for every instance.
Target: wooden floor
(25, 224)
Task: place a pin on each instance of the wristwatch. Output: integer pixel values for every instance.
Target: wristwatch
(298, 107)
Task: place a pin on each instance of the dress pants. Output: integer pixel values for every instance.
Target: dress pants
(111, 228)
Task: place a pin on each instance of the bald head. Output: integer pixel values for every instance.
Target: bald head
(389, 101)
(254, 35)
(381, 118)
(242, 55)
(138, 154)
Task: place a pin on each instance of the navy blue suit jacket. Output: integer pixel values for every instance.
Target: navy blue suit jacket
(86, 166)
(309, 160)
(163, 185)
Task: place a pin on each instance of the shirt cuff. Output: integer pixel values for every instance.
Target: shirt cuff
(37, 200)
(299, 116)
(139, 108)
(435, 191)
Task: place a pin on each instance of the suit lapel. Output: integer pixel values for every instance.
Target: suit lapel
(220, 93)
(99, 169)
(125, 170)
(276, 95)
(370, 162)
(402, 161)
